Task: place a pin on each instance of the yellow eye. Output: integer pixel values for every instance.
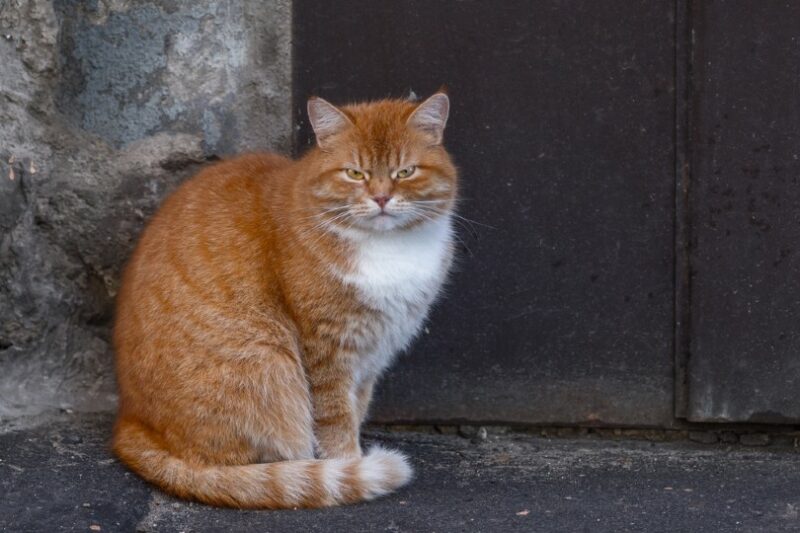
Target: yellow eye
(354, 174)
(406, 172)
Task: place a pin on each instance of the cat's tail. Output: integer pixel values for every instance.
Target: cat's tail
(281, 485)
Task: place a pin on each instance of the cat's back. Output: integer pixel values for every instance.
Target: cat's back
(231, 190)
(222, 199)
(210, 232)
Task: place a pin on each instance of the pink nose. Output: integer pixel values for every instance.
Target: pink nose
(382, 200)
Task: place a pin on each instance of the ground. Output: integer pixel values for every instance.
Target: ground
(56, 474)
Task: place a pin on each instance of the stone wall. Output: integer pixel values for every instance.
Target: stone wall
(105, 106)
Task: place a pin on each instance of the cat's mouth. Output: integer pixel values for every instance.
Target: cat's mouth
(382, 214)
(383, 220)
(389, 218)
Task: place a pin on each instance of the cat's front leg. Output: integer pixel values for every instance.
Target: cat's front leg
(363, 398)
(336, 413)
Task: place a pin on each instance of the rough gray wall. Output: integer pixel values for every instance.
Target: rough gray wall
(105, 106)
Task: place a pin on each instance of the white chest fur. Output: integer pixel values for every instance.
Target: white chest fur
(398, 275)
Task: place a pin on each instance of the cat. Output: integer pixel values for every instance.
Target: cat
(266, 297)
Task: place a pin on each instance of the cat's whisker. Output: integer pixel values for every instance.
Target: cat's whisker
(327, 211)
(331, 221)
(470, 221)
(427, 216)
(458, 217)
(310, 237)
(324, 225)
(455, 202)
(467, 227)
(316, 233)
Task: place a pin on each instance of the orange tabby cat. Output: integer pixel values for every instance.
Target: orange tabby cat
(267, 296)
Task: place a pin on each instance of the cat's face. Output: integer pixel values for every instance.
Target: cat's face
(382, 166)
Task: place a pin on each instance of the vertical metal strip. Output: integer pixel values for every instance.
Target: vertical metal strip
(683, 81)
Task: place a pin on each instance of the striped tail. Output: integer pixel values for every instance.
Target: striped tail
(282, 485)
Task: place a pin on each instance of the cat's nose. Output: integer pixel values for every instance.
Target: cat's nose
(382, 200)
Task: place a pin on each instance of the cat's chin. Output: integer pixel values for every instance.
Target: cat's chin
(385, 222)
(379, 224)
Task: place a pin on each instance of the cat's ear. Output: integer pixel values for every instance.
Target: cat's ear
(326, 119)
(431, 116)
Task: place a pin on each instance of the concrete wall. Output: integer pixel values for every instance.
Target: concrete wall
(105, 106)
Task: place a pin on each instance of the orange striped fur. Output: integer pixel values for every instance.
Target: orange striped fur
(267, 296)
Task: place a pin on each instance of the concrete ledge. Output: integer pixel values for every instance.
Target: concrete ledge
(58, 475)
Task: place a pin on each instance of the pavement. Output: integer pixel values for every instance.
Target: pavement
(56, 474)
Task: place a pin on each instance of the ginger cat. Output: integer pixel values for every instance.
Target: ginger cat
(267, 296)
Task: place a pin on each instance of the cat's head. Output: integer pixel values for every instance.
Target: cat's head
(381, 166)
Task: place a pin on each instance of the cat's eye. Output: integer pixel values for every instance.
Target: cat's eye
(406, 172)
(354, 174)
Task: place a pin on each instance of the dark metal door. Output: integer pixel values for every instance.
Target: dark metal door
(563, 127)
(744, 360)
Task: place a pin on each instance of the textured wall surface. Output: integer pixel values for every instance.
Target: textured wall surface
(105, 106)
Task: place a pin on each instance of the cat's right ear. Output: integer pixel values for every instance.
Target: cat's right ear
(326, 120)
(431, 116)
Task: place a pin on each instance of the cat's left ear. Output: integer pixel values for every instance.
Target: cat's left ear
(326, 120)
(431, 116)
